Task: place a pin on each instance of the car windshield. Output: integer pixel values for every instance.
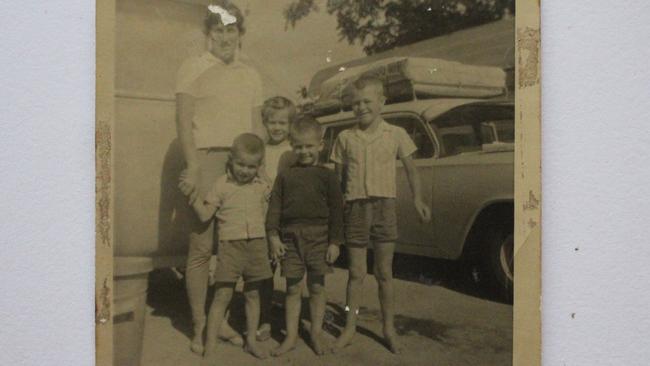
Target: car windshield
(467, 128)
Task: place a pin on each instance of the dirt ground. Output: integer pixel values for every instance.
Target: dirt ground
(439, 322)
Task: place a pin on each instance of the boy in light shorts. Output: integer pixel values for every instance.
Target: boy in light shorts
(366, 156)
(238, 200)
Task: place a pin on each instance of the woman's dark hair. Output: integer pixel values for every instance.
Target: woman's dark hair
(214, 17)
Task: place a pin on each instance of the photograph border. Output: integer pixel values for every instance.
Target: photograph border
(104, 114)
(527, 289)
(527, 327)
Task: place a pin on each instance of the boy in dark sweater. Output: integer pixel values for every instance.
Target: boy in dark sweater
(304, 224)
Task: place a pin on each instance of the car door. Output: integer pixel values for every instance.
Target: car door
(415, 236)
(472, 170)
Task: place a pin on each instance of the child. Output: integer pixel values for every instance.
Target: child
(277, 114)
(366, 155)
(305, 228)
(239, 201)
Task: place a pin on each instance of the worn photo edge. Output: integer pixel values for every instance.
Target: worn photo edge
(527, 295)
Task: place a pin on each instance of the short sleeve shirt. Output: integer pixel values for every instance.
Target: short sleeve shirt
(370, 159)
(225, 98)
(241, 208)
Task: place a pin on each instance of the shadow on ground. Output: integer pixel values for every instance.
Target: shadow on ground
(167, 297)
(460, 276)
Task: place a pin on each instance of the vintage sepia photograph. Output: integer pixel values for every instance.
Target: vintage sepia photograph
(318, 182)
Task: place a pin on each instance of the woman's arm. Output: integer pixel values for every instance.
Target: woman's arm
(257, 126)
(338, 168)
(184, 114)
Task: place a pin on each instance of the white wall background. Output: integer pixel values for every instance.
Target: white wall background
(596, 181)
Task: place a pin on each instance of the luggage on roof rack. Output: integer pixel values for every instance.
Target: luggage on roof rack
(407, 78)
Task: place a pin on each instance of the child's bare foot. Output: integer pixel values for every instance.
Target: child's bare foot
(197, 348)
(286, 346)
(235, 340)
(264, 332)
(317, 344)
(391, 342)
(209, 362)
(227, 334)
(255, 349)
(344, 339)
(196, 345)
(210, 356)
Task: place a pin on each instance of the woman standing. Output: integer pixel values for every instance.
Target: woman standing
(217, 98)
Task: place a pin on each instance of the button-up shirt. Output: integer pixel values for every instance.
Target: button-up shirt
(370, 159)
(225, 98)
(241, 208)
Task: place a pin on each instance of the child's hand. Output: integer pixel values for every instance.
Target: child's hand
(264, 176)
(189, 180)
(332, 253)
(423, 210)
(278, 249)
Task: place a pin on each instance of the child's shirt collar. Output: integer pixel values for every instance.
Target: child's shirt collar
(382, 127)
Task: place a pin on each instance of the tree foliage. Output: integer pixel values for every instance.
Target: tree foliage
(380, 25)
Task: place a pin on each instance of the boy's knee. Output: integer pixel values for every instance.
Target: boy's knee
(294, 287)
(223, 295)
(252, 294)
(357, 273)
(316, 289)
(316, 284)
(383, 273)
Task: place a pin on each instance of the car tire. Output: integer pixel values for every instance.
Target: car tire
(499, 261)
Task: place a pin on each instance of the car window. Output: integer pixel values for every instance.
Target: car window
(468, 128)
(505, 130)
(460, 139)
(416, 131)
(331, 132)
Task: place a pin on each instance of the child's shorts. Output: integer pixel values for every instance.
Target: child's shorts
(370, 219)
(306, 250)
(247, 258)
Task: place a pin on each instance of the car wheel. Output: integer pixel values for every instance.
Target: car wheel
(500, 261)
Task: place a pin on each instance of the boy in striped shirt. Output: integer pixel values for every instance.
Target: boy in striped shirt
(366, 156)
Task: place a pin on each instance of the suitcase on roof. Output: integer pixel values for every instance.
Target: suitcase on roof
(407, 78)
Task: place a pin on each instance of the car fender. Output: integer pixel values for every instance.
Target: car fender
(473, 220)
